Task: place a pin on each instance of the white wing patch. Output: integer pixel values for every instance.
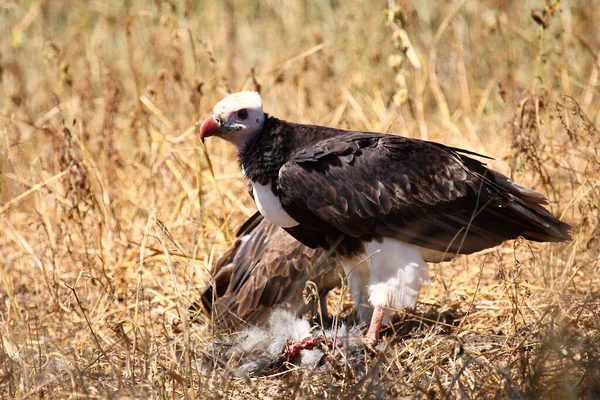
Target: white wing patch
(270, 206)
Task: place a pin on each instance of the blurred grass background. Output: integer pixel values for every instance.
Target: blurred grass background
(111, 214)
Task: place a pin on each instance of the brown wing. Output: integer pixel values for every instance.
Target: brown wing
(265, 267)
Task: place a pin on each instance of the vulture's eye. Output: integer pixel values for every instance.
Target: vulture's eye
(242, 114)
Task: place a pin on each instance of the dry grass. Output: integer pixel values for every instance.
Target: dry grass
(110, 213)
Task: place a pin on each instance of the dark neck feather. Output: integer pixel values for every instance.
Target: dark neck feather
(276, 144)
(262, 158)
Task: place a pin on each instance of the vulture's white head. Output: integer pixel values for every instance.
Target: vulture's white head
(236, 118)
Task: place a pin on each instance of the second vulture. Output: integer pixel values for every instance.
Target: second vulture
(265, 268)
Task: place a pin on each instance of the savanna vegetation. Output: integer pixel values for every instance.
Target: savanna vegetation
(112, 211)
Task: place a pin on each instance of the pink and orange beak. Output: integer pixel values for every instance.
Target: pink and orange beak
(209, 127)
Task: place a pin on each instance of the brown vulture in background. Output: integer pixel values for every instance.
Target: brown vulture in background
(264, 268)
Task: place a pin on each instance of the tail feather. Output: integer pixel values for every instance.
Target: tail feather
(527, 203)
(526, 194)
(521, 207)
(544, 227)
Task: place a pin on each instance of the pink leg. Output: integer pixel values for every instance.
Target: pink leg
(372, 337)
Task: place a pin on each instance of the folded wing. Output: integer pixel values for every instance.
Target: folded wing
(367, 186)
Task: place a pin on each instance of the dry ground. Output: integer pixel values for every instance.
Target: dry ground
(111, 214)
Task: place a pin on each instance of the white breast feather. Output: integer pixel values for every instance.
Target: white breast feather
(270, 207)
